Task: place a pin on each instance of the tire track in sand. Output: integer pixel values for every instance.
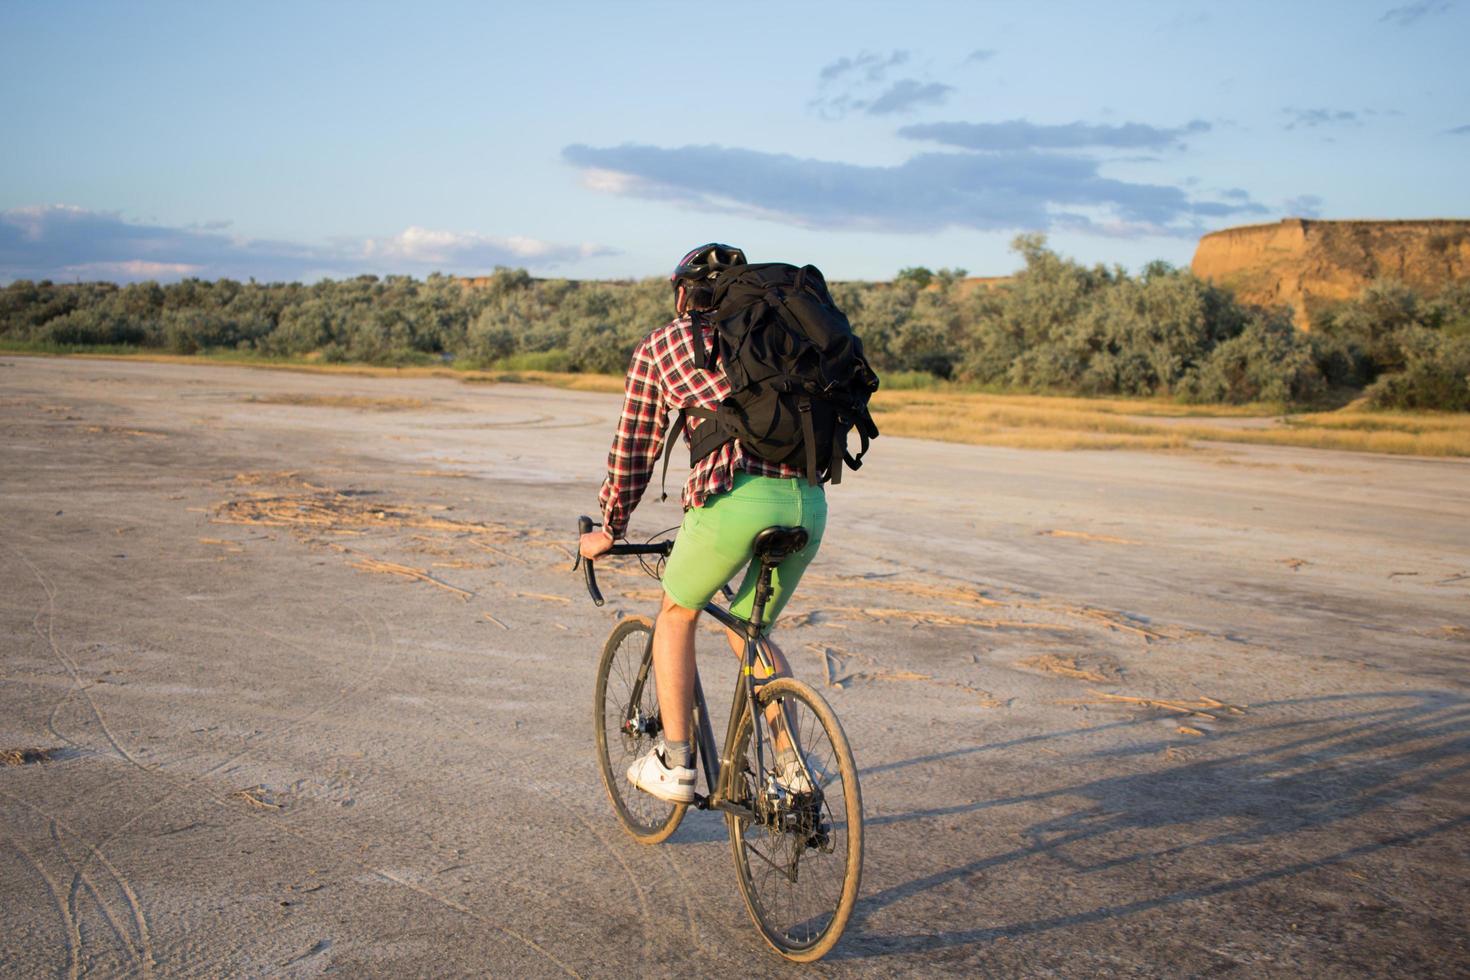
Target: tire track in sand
(180, 782)
(142, 953)
(645, 911)
(69, 927)
(184, 781)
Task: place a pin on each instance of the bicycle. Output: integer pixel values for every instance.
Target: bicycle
(797, 838)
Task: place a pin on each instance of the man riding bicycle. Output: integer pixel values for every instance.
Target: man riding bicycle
(729, 497)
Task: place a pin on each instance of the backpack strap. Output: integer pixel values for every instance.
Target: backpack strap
(856, 462)
(703, 355)
(671, 439)
(809, 439)
(700, 444)
(839, 453)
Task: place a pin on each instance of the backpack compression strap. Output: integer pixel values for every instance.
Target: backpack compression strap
(809, 439)
(700, 442)
(703, 355)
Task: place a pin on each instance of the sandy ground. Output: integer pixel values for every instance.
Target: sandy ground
(272, 753)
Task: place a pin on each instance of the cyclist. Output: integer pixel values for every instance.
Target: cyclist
(729, 497)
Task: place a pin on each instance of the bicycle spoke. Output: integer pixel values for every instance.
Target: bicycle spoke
(647, 818)
(805, 836)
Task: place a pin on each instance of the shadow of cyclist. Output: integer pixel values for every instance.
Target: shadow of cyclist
(1287, 778)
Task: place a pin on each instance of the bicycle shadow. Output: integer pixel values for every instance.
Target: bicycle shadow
(700, 827)
(1311, 773)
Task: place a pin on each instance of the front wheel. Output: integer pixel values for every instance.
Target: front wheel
(799, 856)
(627, 724)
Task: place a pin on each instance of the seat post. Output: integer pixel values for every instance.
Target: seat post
(762, 593)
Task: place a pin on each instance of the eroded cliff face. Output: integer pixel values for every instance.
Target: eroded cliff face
(1309, 265)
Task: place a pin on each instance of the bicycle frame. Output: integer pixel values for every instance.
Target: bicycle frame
(775, 817)
(717, 769)
(717, 766)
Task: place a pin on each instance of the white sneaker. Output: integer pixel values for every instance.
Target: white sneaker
(791, 777)
(671, 784)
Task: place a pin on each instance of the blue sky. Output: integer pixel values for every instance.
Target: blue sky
(602, 140)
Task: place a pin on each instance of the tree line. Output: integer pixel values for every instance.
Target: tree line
(1056, 326)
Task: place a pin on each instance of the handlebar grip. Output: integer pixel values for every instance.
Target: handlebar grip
(589, 576)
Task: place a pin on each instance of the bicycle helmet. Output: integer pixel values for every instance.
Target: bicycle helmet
(699, 267)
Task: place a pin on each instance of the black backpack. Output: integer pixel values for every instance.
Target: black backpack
(800, 381)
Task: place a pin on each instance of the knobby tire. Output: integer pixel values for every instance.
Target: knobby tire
(803, 919)
(646, 818)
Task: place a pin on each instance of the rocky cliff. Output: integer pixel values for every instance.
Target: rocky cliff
(1309, 265)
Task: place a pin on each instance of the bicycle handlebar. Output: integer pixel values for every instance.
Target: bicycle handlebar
(589, 575)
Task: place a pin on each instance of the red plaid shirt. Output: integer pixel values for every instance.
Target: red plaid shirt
(662, 379)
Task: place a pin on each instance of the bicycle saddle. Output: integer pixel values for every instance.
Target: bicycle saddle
(775, 543)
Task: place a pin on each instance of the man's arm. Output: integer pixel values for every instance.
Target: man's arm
(636, 444)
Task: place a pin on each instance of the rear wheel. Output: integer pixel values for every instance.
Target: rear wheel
(626, 730)
(799, 857)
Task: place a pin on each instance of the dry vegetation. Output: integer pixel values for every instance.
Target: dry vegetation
(342, 401)
(608, 383)
(1035, 422)
(322, 517)
(949, 413)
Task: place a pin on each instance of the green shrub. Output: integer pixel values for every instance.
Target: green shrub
(907, 380)
(545, 360)
(83, 327)
(1436, 373)
(1058, 326)
(1269, 361)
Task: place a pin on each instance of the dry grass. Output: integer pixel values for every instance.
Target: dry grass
(25, 757)
(1035, 422)
(369, 564)
(963, 595)
(1049, 404)
(916, 618)
(1200, 707)
(1017, 422)
(312, 513)
(835, 661)
(258, 797)
(1356, 419)
(545, 597)
(359, 402)
(114, 430)
(607, 383)
(263, 364)
(1349, 433)
(1050, 663)
(311, 509)
(951, 414)
(1084, 536)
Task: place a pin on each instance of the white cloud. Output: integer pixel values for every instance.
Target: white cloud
(607, 181)
(135, 269)
(67, 242)
(427, 246)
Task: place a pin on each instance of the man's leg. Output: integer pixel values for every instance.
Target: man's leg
(673, 667)
(775, 717)
(669, 773)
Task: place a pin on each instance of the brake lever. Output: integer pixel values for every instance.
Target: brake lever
(584, 526)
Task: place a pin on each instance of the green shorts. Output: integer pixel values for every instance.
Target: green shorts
(716, 541)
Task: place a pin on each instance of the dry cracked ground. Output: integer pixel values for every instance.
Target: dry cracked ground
(295, 679)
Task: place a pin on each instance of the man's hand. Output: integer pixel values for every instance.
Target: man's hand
(594, 543)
